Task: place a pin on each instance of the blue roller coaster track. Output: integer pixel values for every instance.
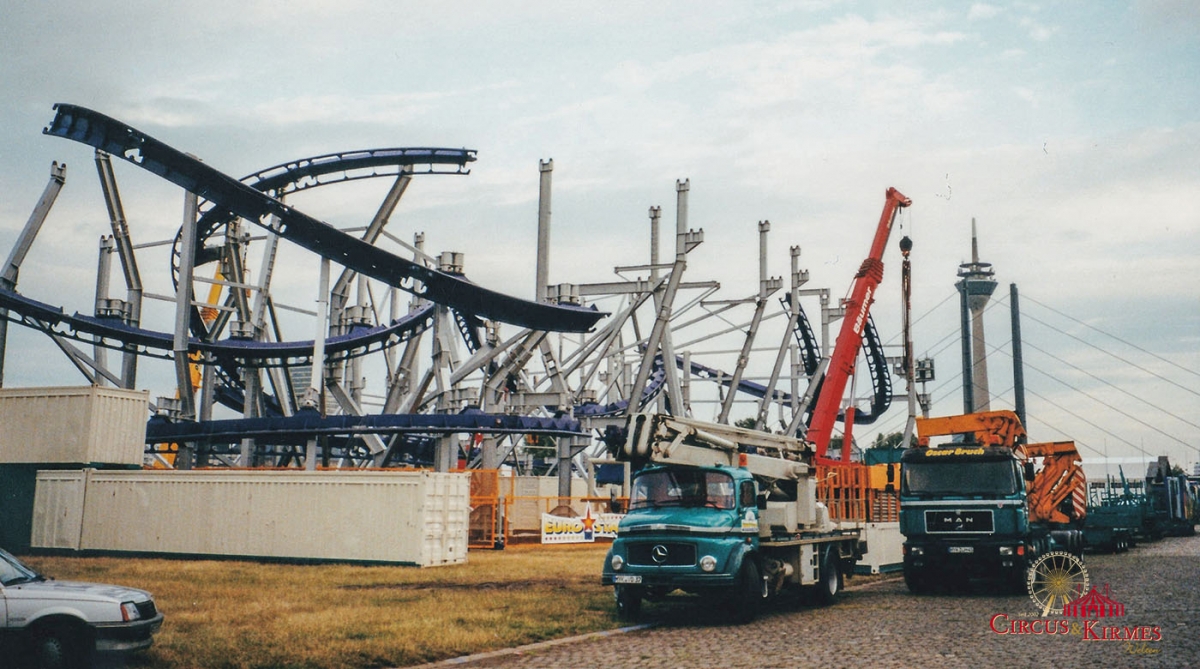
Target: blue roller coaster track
(230, 195)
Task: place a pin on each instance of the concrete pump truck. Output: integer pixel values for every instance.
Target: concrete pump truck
(732, 513)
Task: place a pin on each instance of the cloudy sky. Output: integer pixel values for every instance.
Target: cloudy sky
(1069, 131)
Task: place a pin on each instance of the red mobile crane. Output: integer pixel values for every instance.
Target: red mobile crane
(845, 351)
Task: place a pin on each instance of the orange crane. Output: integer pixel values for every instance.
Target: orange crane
(1058, 494)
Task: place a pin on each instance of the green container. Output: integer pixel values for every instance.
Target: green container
(882, 456)
(18, 483)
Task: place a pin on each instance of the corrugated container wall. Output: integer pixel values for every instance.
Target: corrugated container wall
(410, 517)
(81, 425)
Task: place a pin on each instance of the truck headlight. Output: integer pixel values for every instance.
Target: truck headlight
(916, 551)
(708, 563)
(1006, 550)
(617, 562)
(129, 611)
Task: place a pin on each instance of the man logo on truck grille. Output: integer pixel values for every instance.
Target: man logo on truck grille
(658, 553)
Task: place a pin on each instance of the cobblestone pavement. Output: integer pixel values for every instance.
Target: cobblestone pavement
(882, 625)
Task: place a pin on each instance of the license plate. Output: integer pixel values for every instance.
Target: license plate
(962, 549)
(627, 578)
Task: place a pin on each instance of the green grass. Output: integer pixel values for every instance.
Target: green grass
(241, 615)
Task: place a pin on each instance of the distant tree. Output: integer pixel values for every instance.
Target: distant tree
(747, 423)
(1176, 470)
(893, 440)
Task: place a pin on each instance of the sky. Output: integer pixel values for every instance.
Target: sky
(1070, 132)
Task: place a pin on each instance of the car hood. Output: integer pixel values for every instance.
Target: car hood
(75, 591)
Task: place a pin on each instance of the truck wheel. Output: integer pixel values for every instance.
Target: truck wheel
(58, 647)
(1018, 582)
(830, 585)
(629, 601)
(917, 582)
(748, 593)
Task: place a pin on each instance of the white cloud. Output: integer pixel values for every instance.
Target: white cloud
(1038, 31)
(982, 11)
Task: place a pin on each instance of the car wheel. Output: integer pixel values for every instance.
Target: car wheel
(58, 647)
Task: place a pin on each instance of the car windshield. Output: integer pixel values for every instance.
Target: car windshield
(13, 572)
(682, 487)
(996, 477)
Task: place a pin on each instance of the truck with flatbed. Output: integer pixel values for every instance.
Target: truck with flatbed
(732, 513)
(725, 512)
(978, 507)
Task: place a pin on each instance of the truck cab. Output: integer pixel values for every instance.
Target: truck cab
(964, 513)
(688, 528)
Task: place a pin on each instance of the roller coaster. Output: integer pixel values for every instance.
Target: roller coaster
(455, 391)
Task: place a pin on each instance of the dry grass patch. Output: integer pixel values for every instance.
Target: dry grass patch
(227, 614)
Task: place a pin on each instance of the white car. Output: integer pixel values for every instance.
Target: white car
(63, 624)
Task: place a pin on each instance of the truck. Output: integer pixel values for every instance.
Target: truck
(1172, 507)
(732, 513)
(725, 512)
(1117, 517)
(978, 507)
(51, 624)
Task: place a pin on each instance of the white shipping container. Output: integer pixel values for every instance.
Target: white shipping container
(58, 508)
(73, 425)
(405, 517)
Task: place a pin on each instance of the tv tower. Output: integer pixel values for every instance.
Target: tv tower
(975, 286)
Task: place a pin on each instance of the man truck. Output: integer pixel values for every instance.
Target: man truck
(978, 507)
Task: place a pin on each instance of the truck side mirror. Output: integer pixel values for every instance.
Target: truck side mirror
(891, 478)
(761, 502)
(1029, 473)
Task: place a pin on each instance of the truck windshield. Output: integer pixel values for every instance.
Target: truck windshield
(996, 477)
(682, 487)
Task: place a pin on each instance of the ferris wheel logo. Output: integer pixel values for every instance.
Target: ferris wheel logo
(1056, 579)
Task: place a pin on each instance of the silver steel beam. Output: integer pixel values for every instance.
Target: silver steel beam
(12, 267)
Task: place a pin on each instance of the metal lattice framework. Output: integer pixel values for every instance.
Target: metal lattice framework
(565, 376)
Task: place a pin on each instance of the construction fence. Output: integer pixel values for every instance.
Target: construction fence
(852, 493)
(859, 493)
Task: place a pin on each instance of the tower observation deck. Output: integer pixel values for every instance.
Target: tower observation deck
(975, 287)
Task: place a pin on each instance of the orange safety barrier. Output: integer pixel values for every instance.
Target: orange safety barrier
(493, 503)
(485, 507)
(848, 493)
(843, 490)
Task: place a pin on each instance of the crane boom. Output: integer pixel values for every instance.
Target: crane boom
(858, 306)
(1059, 493)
